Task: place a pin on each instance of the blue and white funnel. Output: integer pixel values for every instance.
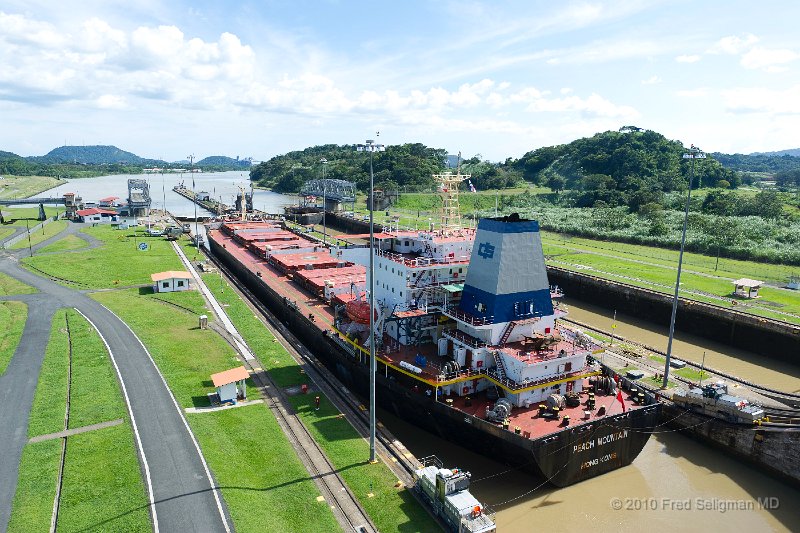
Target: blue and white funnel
(507, 279)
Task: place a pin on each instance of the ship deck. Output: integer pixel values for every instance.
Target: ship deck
(527, 419)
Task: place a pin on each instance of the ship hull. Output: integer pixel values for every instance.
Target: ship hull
(574, 454)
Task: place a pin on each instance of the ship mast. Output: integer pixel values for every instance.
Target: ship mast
(448, 188)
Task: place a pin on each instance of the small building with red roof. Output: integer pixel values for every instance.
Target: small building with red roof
(230, 384)
(97, 215)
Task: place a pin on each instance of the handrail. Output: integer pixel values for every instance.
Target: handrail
(457, 314)
(466, 338)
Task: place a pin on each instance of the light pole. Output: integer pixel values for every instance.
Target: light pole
(324, 200)
(371, 146)
(194, 197)
(693, 153)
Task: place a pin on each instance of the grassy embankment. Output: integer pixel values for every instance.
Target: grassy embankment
(16, 216)
(624, 262)
(69, 242)
(102, 488)
(12, 317)
(655, 269)
(41, 234)
(13, 187)
(117, 263)
(263, 482)
(10, 286)
(391, 509)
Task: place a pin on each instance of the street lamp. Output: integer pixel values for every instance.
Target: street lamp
(194, 196)
(324, 199)
(371, 146)
(693, 153)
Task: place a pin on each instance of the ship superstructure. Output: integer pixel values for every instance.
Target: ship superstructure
(468, 339)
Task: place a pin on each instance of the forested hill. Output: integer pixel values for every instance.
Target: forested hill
(221, 162)
(770, 163)
(91, 155)
(624, 160)
(407, 166)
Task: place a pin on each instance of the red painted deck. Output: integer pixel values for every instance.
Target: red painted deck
(532, 425)
(527, 420)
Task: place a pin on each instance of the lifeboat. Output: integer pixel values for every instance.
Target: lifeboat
(358, 311)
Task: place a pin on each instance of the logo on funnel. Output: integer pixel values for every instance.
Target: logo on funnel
(486, 250)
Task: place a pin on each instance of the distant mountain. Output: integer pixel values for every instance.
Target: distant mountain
(224, 162)
(91, 155)
(795, 152)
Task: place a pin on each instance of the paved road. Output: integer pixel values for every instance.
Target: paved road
(181, 486)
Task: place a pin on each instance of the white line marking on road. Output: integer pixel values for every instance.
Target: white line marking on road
(133, 423)
(214, 489)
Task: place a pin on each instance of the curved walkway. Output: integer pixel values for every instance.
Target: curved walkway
(184, 496)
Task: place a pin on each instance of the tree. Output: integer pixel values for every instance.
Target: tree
(555, 182)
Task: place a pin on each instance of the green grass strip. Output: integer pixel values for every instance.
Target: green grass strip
(95, 394)
(390, 508)
(262, 480)
(12, 318)
(50, 400)
(36, 488)
(10, 286)
(69, 242)
(42, 234)
(102, 487)
(245, 448)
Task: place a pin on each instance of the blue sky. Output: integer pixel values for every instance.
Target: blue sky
(256, 79)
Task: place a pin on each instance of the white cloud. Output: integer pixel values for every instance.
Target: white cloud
(694, 58)
(733, 44)
(762, 100)
(111, 101)
(652, 80)
(700, 92)
(768, 59)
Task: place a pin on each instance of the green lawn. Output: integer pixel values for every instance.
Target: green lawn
(118, 263)
(102, 487)
(624, 262)
(262, 480)
(13, 187)
(391, 509)
(10, 286)
(69, 242)
(5, 232)
(186, 354)
(248, 453)
(12, 318)
(42, 234)
(20, 216)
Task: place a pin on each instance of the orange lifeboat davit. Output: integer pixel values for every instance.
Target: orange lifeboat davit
(358, 311)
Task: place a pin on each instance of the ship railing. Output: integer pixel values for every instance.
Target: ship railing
(478, 523)
(455, 313)
(431, 460)
(556, 292)
(414, 262)
(464, 338)
(506, 381)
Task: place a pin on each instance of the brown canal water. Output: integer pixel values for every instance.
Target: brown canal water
(676, 484)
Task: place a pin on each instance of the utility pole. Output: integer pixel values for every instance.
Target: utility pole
(371, 146)
(693, 153)
(194, 197)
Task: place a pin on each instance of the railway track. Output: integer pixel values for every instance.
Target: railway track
(395, 455)
(791, 399)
